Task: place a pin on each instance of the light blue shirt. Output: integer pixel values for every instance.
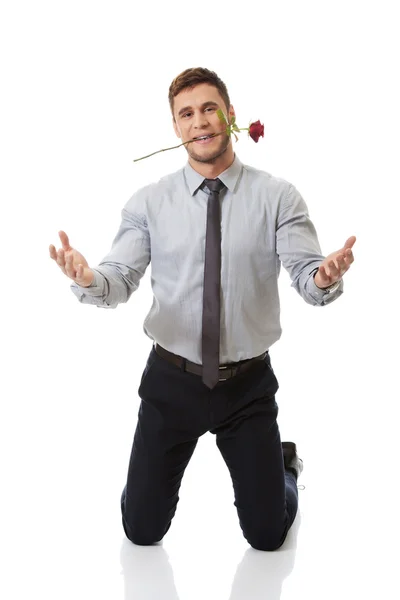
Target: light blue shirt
(264, 222)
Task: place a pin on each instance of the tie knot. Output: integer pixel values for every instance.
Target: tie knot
(214, 185)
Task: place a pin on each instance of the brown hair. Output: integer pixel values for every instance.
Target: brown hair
(191, 77)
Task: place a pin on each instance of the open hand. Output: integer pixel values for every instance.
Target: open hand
(335, 265)
(71, 262)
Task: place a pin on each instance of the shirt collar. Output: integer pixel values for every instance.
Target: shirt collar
(229, 177)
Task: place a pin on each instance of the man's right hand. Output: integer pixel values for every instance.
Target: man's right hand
(71, 262)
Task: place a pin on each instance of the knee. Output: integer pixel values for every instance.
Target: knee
(143, 534)
(266, 540)
(142, 540)
(140, 537)
(265, 545)
(140, 529)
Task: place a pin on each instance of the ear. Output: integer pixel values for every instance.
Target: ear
(178, 134)
(231, 113)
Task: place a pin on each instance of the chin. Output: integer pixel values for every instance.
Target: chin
(208, 158)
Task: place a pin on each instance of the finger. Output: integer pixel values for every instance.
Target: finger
(53, 252)
(64, 240)
(349, 256)
(334, 271)
(61, 259)
(343, 266)
(350, 242)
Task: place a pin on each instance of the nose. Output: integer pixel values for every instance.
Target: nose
(200, 120)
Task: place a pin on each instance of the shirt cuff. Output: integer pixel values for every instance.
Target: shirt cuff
(97, 288)
(321, 296)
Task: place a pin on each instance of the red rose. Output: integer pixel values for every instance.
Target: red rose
(256, 130)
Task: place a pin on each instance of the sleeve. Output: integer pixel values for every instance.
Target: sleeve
(119, 273)
(299, 250)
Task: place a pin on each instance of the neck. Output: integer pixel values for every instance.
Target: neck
(213, 169)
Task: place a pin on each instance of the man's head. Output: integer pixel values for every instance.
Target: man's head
(194, 97)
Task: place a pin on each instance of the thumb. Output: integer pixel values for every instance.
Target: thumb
(84, 275)
(79, 272)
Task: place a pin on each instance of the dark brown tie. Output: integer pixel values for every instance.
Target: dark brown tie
(212, 286)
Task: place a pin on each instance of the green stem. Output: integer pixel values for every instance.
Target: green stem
(172, 148)
(163, 150)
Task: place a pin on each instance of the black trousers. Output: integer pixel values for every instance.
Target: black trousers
(176, 409)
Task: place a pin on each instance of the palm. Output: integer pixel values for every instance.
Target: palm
(335, 264)
(72, 263)
(77, 258)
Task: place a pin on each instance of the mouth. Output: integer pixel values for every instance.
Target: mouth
(204, 139)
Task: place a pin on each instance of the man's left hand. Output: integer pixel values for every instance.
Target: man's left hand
(335, 265)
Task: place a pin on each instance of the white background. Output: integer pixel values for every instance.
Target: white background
(84, 92)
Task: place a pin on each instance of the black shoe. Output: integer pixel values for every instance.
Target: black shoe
(291, 461)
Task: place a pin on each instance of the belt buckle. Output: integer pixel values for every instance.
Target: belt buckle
(233, 369)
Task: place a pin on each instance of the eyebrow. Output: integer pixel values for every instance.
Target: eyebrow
(185, 108)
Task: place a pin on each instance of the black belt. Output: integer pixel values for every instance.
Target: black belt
(227, 371)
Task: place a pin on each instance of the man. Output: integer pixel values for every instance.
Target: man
(216, 232)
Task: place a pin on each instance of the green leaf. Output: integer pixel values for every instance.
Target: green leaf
(233, 120)
(221, 116)
(235, 127)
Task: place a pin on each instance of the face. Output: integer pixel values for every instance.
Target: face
(195, 112)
